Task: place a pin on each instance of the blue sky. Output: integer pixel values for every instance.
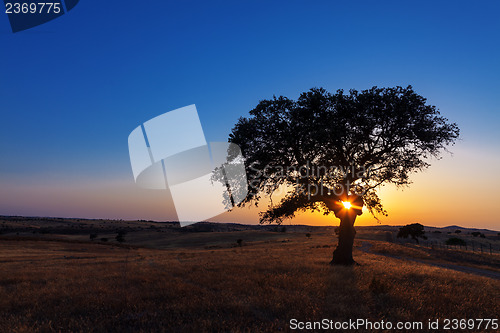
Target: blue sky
(73, 89)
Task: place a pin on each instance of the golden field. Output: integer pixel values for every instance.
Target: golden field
(65, 285)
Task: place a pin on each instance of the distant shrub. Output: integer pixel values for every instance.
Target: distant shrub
(239, 242)
(104, 239)
(120, 237)
(308, 235)
(283, 229)
(437, 232)
(414, 230)
(458, 231)
(93, 236)
(456, 241)
(478, 234)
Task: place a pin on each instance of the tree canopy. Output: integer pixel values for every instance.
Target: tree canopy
(327, 146)
(413, 230)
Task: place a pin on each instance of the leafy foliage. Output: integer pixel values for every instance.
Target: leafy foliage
(414, 230)
(120, 237)
(455, 241)
(324, 144)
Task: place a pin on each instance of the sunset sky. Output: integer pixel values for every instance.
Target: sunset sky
(72, 90)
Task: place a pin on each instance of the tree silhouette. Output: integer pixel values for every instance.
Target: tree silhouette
(414, 230)
(326, 149)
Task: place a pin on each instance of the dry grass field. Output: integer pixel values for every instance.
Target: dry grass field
(83, 286)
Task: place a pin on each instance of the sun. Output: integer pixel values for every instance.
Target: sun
(346, 204)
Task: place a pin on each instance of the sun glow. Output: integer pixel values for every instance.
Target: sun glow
(346, 204)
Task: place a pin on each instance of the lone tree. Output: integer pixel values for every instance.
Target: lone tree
(413, 230)
(331, 152)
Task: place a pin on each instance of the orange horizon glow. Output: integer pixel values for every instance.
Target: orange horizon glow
(441, 196)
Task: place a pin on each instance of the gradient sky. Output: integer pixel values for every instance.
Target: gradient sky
(73, 89)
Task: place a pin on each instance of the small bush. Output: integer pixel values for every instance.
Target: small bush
(414, 230)
(456, 241)
(308, 235)
(239, 242)
(120, 237)
(104, 239)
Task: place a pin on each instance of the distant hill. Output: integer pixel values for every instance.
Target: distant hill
(75, 226)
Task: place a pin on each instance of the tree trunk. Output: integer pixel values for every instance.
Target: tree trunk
(343, 253)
